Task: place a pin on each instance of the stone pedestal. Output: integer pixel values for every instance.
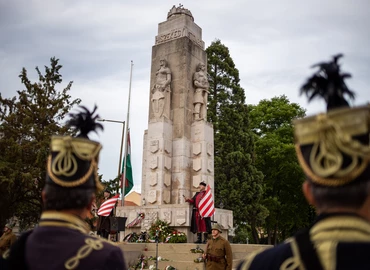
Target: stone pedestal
(179, 217)
(178, 145)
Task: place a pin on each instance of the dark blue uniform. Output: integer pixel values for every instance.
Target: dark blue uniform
(338, 242)
(61, 242)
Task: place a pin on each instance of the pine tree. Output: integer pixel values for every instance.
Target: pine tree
(238, 184)
(27, 122)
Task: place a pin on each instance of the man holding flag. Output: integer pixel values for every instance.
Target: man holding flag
(105, 211)
(203, 209)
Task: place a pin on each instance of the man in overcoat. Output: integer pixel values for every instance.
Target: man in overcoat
(200, 225)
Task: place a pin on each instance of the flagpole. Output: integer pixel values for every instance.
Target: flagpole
(126, 145)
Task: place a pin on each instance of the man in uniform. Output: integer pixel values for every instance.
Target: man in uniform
(199, 224)
(103, 227)
(61, 239)
(334, 151)
(7, 239)
(218, 254)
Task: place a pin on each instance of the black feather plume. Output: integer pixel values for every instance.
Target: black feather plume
(328, 83)
(84, 122)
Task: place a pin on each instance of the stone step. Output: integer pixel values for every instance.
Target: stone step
(179, 255)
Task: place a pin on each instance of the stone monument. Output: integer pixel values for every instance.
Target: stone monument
(178, 150)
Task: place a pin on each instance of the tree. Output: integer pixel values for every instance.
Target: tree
(27, 122)
(271, 121)
(238, 184)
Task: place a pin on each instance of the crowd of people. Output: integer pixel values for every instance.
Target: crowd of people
(333, 150)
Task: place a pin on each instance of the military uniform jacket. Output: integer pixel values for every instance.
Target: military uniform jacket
(61, 242)
(6, 240)
(219, 254)
(339, 241)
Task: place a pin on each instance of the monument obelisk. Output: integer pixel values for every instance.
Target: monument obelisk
(178, 150)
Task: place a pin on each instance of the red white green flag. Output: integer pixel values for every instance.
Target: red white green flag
(129, 181)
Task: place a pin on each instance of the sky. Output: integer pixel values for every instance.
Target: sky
(273, 44)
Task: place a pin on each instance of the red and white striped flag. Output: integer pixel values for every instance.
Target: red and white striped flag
(107, 206)
(206, 205)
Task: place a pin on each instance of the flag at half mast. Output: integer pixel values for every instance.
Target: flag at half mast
(129, 181)
(206, 205)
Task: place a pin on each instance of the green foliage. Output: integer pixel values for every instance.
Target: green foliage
(271, 121)
(27, 122)
(238, 184)
(161, 229)
(176, 237)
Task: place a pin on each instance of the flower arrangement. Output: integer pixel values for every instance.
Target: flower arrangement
(176, 237)
(197, 250)
(159, 229)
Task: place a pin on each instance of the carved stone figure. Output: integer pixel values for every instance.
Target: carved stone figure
(201, 92)
(161, 91)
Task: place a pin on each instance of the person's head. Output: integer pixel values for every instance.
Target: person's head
(334, 148)
(216, 230)
(72, 180)
(107, 193)
(8, 228)
(163, 62)
(201, 66)
(202, 186)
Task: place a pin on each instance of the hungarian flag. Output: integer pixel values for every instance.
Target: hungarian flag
(107, 206)
(206, 205)
(129, 181)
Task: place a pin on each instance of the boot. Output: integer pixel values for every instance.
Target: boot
(199, 240)
(205, 238)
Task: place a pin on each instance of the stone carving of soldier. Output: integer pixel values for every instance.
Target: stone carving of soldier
(161, 90)
(201, 92)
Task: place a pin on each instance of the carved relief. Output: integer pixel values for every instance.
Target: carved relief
(153, 179)
(196, 180)
(197, 164)
(167, 146)
(167, 179)
(154, 146)
(150, 217)
(166, 215)
(152, 196)
(166, 196)
(180, 217)
(209, 149)
(197, 148)
(210, 165)
(201, 92)
(161, 91)
(154, 162)
(167, 163)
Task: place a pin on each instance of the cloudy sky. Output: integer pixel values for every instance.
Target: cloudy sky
(273, 44)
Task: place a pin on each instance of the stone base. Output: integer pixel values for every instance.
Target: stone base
(177, 215)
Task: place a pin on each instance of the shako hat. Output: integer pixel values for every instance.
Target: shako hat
(333, 148)
(73, 161)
